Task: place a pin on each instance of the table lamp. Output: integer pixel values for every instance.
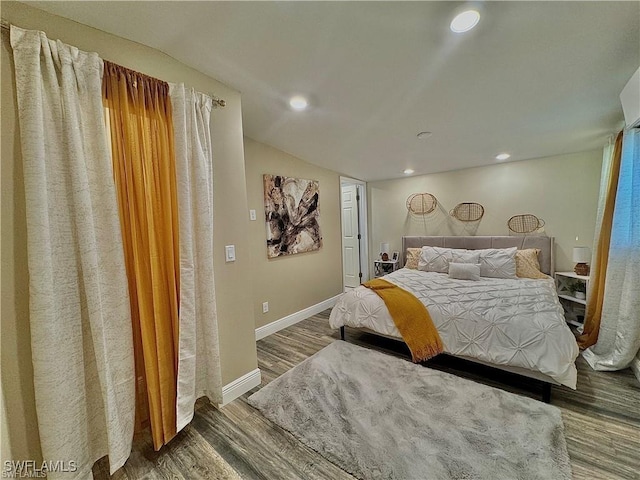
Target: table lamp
(384, 251)
(581, 256)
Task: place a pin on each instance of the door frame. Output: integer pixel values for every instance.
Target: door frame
(362, 220)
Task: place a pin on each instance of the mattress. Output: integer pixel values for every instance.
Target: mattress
(514, 323)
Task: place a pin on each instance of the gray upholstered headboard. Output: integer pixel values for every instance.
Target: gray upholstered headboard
(545, 244)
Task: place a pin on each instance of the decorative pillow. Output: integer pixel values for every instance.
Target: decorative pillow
(465, 256)
(435, 259)
(412, 256)
(498, 262)
(464, 271)
(527, 264)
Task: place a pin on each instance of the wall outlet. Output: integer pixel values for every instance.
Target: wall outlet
(252, 214)
(265, 307)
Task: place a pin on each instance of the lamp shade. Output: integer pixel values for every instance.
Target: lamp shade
(581, 255)
(384, 247)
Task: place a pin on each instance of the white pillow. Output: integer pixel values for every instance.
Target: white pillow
(465, 256)
(498, 262)
(464, 271)
(435, 259)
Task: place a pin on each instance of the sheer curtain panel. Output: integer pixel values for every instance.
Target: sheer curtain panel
(142, 140)
(619, 338)
(602, 241)
(79, 303)
(199, 358)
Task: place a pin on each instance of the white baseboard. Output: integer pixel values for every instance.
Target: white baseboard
(635, 367)
(240, 386)
(294, 318)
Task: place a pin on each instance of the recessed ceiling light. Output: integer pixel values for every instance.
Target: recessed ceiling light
(503, 156)
(465, 21)
(423, 135)
(298, 103)
(408, 171)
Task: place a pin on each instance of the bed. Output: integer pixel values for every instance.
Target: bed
(515, 325)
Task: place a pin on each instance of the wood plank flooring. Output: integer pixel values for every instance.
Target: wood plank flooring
(602, 420)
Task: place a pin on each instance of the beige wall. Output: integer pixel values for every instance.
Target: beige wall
(294, 282)
(562, 190)
(233, 284)
(5, 440)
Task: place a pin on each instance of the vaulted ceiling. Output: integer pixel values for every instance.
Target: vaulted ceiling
(533, 79)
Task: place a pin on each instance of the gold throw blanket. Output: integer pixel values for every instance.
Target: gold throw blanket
(411, 318)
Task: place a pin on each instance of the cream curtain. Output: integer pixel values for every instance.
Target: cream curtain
(199, 358)
(79, 302)
(619, 336)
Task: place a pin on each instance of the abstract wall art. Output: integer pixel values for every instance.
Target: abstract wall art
(292, 212)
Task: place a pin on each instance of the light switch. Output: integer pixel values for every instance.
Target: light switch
(230, 253)
(252, 214)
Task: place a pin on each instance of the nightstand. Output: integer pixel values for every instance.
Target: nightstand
(574, 307)
(382, 267)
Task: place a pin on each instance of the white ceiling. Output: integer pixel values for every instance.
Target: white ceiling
(533, 78)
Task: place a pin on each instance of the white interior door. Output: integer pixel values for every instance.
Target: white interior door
(350, 236)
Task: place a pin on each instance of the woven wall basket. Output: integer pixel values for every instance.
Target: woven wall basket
(467, 212)
(421, 203)
(526, 223)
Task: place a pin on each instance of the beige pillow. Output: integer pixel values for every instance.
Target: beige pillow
(527, 264)
(411, 258)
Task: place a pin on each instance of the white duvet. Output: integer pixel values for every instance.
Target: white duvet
(517, 323)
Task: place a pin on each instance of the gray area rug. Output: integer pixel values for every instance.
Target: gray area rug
(381, 417)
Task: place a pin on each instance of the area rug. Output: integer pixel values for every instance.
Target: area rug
(381, 417)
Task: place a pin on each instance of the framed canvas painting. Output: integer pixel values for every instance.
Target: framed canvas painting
(292, 211)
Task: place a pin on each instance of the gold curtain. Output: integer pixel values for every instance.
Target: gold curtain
(599, 268)
(141, 129)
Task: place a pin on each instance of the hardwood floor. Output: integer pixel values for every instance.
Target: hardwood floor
(602, 420)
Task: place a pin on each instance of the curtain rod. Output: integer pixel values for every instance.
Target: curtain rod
(5, 25)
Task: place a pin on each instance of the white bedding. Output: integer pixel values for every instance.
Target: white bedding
(516, 323)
